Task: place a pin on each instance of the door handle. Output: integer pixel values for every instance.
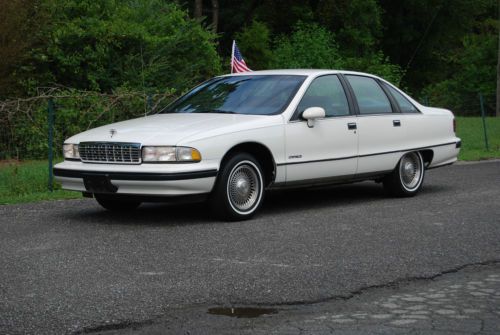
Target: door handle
(352, 126)
(396, 123)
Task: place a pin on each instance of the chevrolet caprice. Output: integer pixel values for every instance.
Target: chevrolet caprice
(235, 136)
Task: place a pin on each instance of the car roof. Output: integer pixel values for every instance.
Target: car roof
(298, 72)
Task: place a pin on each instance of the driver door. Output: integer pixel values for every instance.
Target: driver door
(328, 150)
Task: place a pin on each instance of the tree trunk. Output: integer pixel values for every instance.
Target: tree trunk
(198, 8)
(498, 66)
(215, 15)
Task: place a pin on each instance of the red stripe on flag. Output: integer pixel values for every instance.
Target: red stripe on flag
(240, 66)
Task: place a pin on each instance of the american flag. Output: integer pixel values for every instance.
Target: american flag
(237, 62)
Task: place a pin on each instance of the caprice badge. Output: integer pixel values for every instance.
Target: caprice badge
(112, 132)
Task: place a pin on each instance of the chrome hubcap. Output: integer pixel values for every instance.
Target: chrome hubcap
(410, 170)
(243, 187)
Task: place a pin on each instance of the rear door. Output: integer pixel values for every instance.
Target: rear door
(413, 122)
(330, 148)
(380, 130)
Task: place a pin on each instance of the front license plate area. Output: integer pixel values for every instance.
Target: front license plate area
(99, 184)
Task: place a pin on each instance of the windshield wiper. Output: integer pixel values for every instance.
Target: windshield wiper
(220, 111)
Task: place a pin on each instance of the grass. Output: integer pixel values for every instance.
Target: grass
(26, 181)
(470, 130)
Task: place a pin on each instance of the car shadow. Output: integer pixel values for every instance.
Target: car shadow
(294, 200)
(276, 202)
(148, 214)
(336, 196)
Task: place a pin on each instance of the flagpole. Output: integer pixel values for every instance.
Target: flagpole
(232, 56)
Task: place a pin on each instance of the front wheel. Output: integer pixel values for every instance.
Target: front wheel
(406, 180)
(239, 190)
(116, 205)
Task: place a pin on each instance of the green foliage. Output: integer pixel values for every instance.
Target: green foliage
(377, 64)
(104, 45)
(357, 23)
(421, 35)
(477, 63)
(312, 46)
(281, 16)
(254, 43)
(309, 46)
(19, 22)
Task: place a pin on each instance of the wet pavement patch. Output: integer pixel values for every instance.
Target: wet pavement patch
(241, 312)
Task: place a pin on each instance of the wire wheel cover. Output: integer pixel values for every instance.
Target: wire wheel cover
(410, 170)
(243, 187)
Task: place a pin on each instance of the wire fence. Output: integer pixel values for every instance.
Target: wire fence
(25, 123)
(464, 105)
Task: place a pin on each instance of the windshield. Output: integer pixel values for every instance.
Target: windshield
(256, 95)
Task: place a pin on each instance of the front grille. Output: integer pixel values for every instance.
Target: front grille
(110, 152)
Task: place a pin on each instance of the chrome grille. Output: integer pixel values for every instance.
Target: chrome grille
(110, 152)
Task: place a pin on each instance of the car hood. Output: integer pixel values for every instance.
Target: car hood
(169, 129)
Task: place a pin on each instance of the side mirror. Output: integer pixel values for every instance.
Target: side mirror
(313, 113)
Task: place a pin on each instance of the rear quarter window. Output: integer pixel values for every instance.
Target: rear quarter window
(405, 106)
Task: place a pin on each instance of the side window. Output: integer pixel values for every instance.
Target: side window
(404, 104)
(326, 92)
(370, 96)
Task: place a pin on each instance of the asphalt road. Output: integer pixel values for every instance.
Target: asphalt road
(465, 301)
(70, 267)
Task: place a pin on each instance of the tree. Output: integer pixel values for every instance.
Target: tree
(109, 44)
(198, 9)
(313, 46)
(356, 23)
(254, 41)
(215, 15)
(421, 35)
(309, 46)
(20, 20)
(477, 61)
(198, 12)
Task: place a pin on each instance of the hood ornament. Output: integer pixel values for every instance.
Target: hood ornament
(112, 132)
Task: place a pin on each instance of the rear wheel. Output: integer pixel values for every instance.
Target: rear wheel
(239, 190)
(116, 205)
(406, 180)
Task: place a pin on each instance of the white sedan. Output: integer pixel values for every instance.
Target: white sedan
(235, 136)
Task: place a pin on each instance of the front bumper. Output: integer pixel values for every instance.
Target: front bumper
(145, 179)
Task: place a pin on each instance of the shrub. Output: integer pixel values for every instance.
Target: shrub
(309, 46)
(104, 45)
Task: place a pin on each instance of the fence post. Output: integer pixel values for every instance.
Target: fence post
(50, 120)
(483, 116)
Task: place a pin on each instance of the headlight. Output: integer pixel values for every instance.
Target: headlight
(70, 151)
(170, 154)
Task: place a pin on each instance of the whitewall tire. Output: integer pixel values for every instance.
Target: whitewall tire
(239, 190)
(408, 176)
